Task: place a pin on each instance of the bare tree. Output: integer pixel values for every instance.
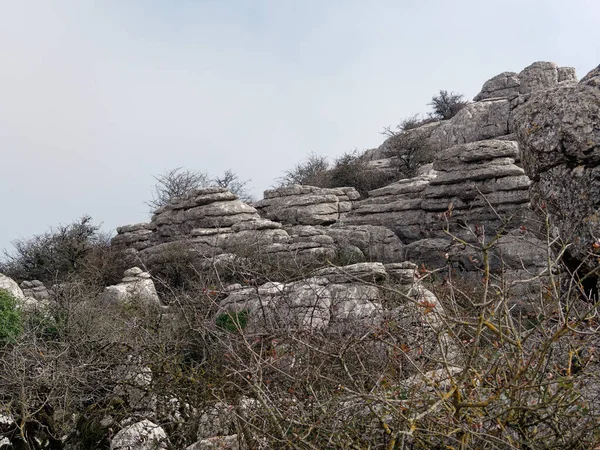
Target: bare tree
(176, 183)
(446, 105)
(53, 255)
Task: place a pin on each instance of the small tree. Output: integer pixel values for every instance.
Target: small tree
(54, 254)
(176, 183)
(446, 105)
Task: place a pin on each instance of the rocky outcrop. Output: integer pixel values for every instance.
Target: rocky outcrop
(475, 122)
(136, 287)
(538, 76)
(217, 443)
(473, 182)
(328, 298)
(558, 131)
(137, 237)
(306, 205)
(180, 228)
(396, 206)
(476, 184)
(365, 242)
(143, 435)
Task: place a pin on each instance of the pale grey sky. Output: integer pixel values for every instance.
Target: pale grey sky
(98, 96)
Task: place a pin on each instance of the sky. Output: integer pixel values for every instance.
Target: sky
(97, 97)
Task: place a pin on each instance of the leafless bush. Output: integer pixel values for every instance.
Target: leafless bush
(410, 123)
(232, 182)
(446, 105)
(176, 183)
(348, 170)
(179, 182)
(312, 172)
(55, 254)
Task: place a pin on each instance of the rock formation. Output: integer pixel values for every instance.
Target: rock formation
(538, 76)
(11, 286)
(330, 296)
(558, 130)
(213, 221)
(136, 287)
(306, 205)
(35, 289)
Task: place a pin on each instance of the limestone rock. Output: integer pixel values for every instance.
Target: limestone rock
(329, 296)
(370, 272)
(11, 286)
(559, 135)
(375, 243)
(138, 236)
(538, 76)
(475, 122)
(136, 286)
(143, 435)
(475, 181)
(306, 205)
(216, 420)
(505, 84)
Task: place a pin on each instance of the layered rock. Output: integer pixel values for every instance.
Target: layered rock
(538, 76)
(396, 206)
(137, 237)
(475, 122)
(559, 135)
(306, 205)
(135, 287)
(329, 297)
(486, 118)
(231, 227)
(476, 184)
(472, 189)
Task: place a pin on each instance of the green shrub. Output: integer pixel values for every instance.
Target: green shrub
(232, 321)
(11, 323)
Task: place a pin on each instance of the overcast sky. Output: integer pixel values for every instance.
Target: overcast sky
(98, 96)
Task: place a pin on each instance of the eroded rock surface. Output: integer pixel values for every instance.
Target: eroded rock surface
(538, 76)
(559, 134)
(135, 287)
(306, 205)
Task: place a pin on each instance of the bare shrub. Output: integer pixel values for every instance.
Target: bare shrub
(352, 169)
(232, 182)
(409, 123)
(468, 371)
(446, 105)
(409, 151)
(312, 172)
(179, 181)
(176, 183)
(55, 254)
